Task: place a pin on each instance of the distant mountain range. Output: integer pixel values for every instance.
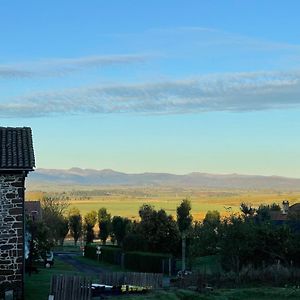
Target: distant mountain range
(107, 177)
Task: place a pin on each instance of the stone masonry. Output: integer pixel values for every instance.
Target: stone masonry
(11, 232)
(16, 161)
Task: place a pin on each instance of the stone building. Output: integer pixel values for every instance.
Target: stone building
(16, 160)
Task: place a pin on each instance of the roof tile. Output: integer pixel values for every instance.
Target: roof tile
(16, 148)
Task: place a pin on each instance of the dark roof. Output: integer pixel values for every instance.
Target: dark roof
(16, 148)
(295, 207)
(278, 216)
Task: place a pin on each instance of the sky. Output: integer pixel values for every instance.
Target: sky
(155, 86)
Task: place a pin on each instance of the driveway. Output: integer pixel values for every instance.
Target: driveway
(70, 258)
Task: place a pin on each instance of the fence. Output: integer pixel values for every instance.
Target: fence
(149, 280)
(70, 288)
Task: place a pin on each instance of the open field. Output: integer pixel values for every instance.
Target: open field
(125, 201)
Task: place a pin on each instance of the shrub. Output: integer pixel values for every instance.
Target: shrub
(110, 254)
(137, 261)
(146, 262)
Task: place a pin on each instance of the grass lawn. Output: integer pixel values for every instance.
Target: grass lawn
(223, 294)
(37, 285)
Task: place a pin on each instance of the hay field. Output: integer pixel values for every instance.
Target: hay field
(126, 201)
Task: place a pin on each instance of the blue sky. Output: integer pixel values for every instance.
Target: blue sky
(155, 86)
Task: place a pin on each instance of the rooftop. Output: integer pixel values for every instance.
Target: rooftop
(16, 148)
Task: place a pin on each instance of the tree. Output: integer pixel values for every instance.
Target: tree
(247, 210)
(237, 243)
(159, 230)
(56, 205)
(90, 220)
(212, 219)
(104, 219)
(36, 241)
(120, 228)
(37, 234)
(134, 242)
(205, 235)
(184, 221)
(62, 229)
(75, 224)
(53, 209)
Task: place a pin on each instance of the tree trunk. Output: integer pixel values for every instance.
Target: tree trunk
(183, 250)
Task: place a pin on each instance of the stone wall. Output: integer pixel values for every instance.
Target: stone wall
(11, 233)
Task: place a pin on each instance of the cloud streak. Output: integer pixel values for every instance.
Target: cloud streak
(63, 66)
(233, 92)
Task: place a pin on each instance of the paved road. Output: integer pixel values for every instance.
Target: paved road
(70, 258)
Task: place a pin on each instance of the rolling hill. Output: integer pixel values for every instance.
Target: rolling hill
(107, 177)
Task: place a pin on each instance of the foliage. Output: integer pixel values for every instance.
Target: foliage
(120, 227)
(212, 219)
(159, 230)
(236, 242)
(108, 254)
(134, 242)
(184, 221)
(38, 242)
(247, 209)
(204, 239)
(184, 217)
(75, 224)
(62, 229)
(104, 219)
(138, 261)
(53, 209)
(90, 220)
(145, 261)
(57, 205)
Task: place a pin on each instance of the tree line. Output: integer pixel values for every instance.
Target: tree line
(240, 239)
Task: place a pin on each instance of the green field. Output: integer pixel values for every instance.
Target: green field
(126, 201)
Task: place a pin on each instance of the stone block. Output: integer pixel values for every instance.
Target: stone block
(15, 211)
(6, 247)
(17, 225)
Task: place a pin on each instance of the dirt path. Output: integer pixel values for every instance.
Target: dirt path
(70, 258)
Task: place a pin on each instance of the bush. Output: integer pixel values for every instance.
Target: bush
(146, 262)
(134, 242)
(110, 254)
(90, 252)
(136, 261)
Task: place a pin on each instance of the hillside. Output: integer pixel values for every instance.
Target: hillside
(107, 177)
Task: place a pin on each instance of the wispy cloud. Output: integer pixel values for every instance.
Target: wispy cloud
(217, 92)
(62, 66)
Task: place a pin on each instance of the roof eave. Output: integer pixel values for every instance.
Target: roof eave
(17, 169)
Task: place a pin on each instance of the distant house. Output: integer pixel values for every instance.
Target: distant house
(16, 160)
(33, 210)
(287, 212)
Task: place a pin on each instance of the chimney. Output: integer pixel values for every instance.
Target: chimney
(285, 207)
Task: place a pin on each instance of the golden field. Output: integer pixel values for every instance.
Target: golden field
(125, 201)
